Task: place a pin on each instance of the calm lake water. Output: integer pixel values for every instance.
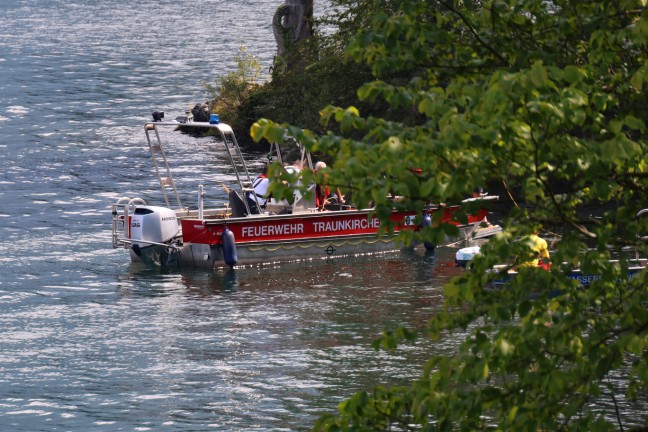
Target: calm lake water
(91, 342)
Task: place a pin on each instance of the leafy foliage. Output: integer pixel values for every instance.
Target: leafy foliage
(230, 91)
(296, 96)
(546, 100)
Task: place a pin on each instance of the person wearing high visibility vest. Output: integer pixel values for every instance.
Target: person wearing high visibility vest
(539, 249)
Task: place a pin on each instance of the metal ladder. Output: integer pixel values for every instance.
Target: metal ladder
(161, 165)
(245, 183)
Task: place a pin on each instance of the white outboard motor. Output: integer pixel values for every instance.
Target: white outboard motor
(465, 255)
(153, 224)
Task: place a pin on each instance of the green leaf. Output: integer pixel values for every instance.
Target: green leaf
(512, 413)
(524, 308)
(635, 123)
(538, 75)
(573, 74)
(637, 79)
(268, 130)
(619, 149)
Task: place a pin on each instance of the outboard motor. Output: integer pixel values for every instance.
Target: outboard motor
(153, 224)
(465, 255)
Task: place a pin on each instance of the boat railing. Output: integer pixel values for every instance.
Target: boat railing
(213, 213)
(201, 212)
(121, 214)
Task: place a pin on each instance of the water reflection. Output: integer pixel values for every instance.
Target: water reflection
(280, 340)
(373, 271)
(329, 302)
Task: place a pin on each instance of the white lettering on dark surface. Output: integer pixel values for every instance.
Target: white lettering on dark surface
(345, 225)
(318, 227)
(272, 230)
(585, 279)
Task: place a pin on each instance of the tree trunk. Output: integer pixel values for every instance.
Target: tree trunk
(292, 23)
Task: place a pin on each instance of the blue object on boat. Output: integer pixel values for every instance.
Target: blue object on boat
(427, 221)
(214, 119)
(229, 247)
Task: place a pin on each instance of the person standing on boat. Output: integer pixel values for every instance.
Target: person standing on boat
(260, 186)
(539, 250)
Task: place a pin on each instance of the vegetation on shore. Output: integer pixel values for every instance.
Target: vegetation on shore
(548, 100)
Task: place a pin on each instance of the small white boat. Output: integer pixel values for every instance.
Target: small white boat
(231, 234)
